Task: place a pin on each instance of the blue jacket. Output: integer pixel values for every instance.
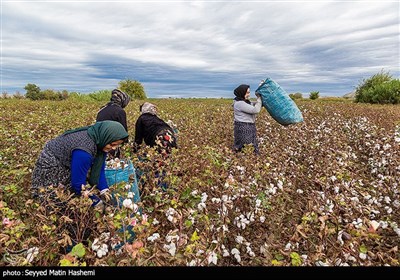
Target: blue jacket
(81, 162)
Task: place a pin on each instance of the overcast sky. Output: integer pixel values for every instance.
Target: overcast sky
(197, 48)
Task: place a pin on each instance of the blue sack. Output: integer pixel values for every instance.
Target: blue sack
(278, 103)
(116, 177)
(119, 175)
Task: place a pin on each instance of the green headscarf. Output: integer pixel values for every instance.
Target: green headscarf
(102, 133)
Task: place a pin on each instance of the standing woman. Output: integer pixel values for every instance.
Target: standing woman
(69, 159)
(245, 113)
(114, 111)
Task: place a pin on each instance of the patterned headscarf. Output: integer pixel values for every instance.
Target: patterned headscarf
(148, 108)
(119, 97)
(102, 133)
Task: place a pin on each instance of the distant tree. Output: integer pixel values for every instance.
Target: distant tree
(64, 94)
(4, 94)
(18, 95)
(380, 88)
(314, 95)
(133, 88)
(296, 95)
(101, 95)
(32, 92)
(50, 94)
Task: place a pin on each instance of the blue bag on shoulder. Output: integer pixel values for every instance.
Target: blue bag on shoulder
(278, 103)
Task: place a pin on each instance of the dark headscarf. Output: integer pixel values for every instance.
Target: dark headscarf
(240, 92)
(120, 98)
(102, 133)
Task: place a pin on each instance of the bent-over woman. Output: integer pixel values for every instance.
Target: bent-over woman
(153, 130)
(77, 157)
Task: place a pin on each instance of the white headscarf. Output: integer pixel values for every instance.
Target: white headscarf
(149, 108)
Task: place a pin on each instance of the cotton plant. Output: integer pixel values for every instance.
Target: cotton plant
(100, 246)
(249, 251)
(225, 252)
(170, 248)
(192, 263)
(395, 228)
(241, 221)
(397, 134)
(280, 185)
(172, 236)
(202, 205)
(241, 169)
(212, 258)
(239, 239)
(170, 213)
(199, 252)
(357, 223)
(236, 253)
(272, 189)
(153, 237)
(226, 204)
(128, 203)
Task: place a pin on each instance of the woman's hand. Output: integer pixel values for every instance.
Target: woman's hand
(105, 195)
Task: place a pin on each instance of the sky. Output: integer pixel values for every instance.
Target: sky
(199, 49)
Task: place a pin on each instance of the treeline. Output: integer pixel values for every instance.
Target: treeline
(380, 88)
(133, 88)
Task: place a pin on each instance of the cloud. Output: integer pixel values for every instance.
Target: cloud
(193, 48)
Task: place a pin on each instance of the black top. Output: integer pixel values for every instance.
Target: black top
(147, 128)
(112, 112)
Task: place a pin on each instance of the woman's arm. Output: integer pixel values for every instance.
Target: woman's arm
(249, 108)
(122, 119)
(102, 185)
(80, 164)
(139, 132)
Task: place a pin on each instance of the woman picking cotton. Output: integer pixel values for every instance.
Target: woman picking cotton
(153, 130)
(156, 133)
(77, 158)
(115, 111)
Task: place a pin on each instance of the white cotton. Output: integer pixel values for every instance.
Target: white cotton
(102, 251)
(127, 203)
(212, 258)
(239, 239)
(171, 248)
(363, 256)
(153, 237)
